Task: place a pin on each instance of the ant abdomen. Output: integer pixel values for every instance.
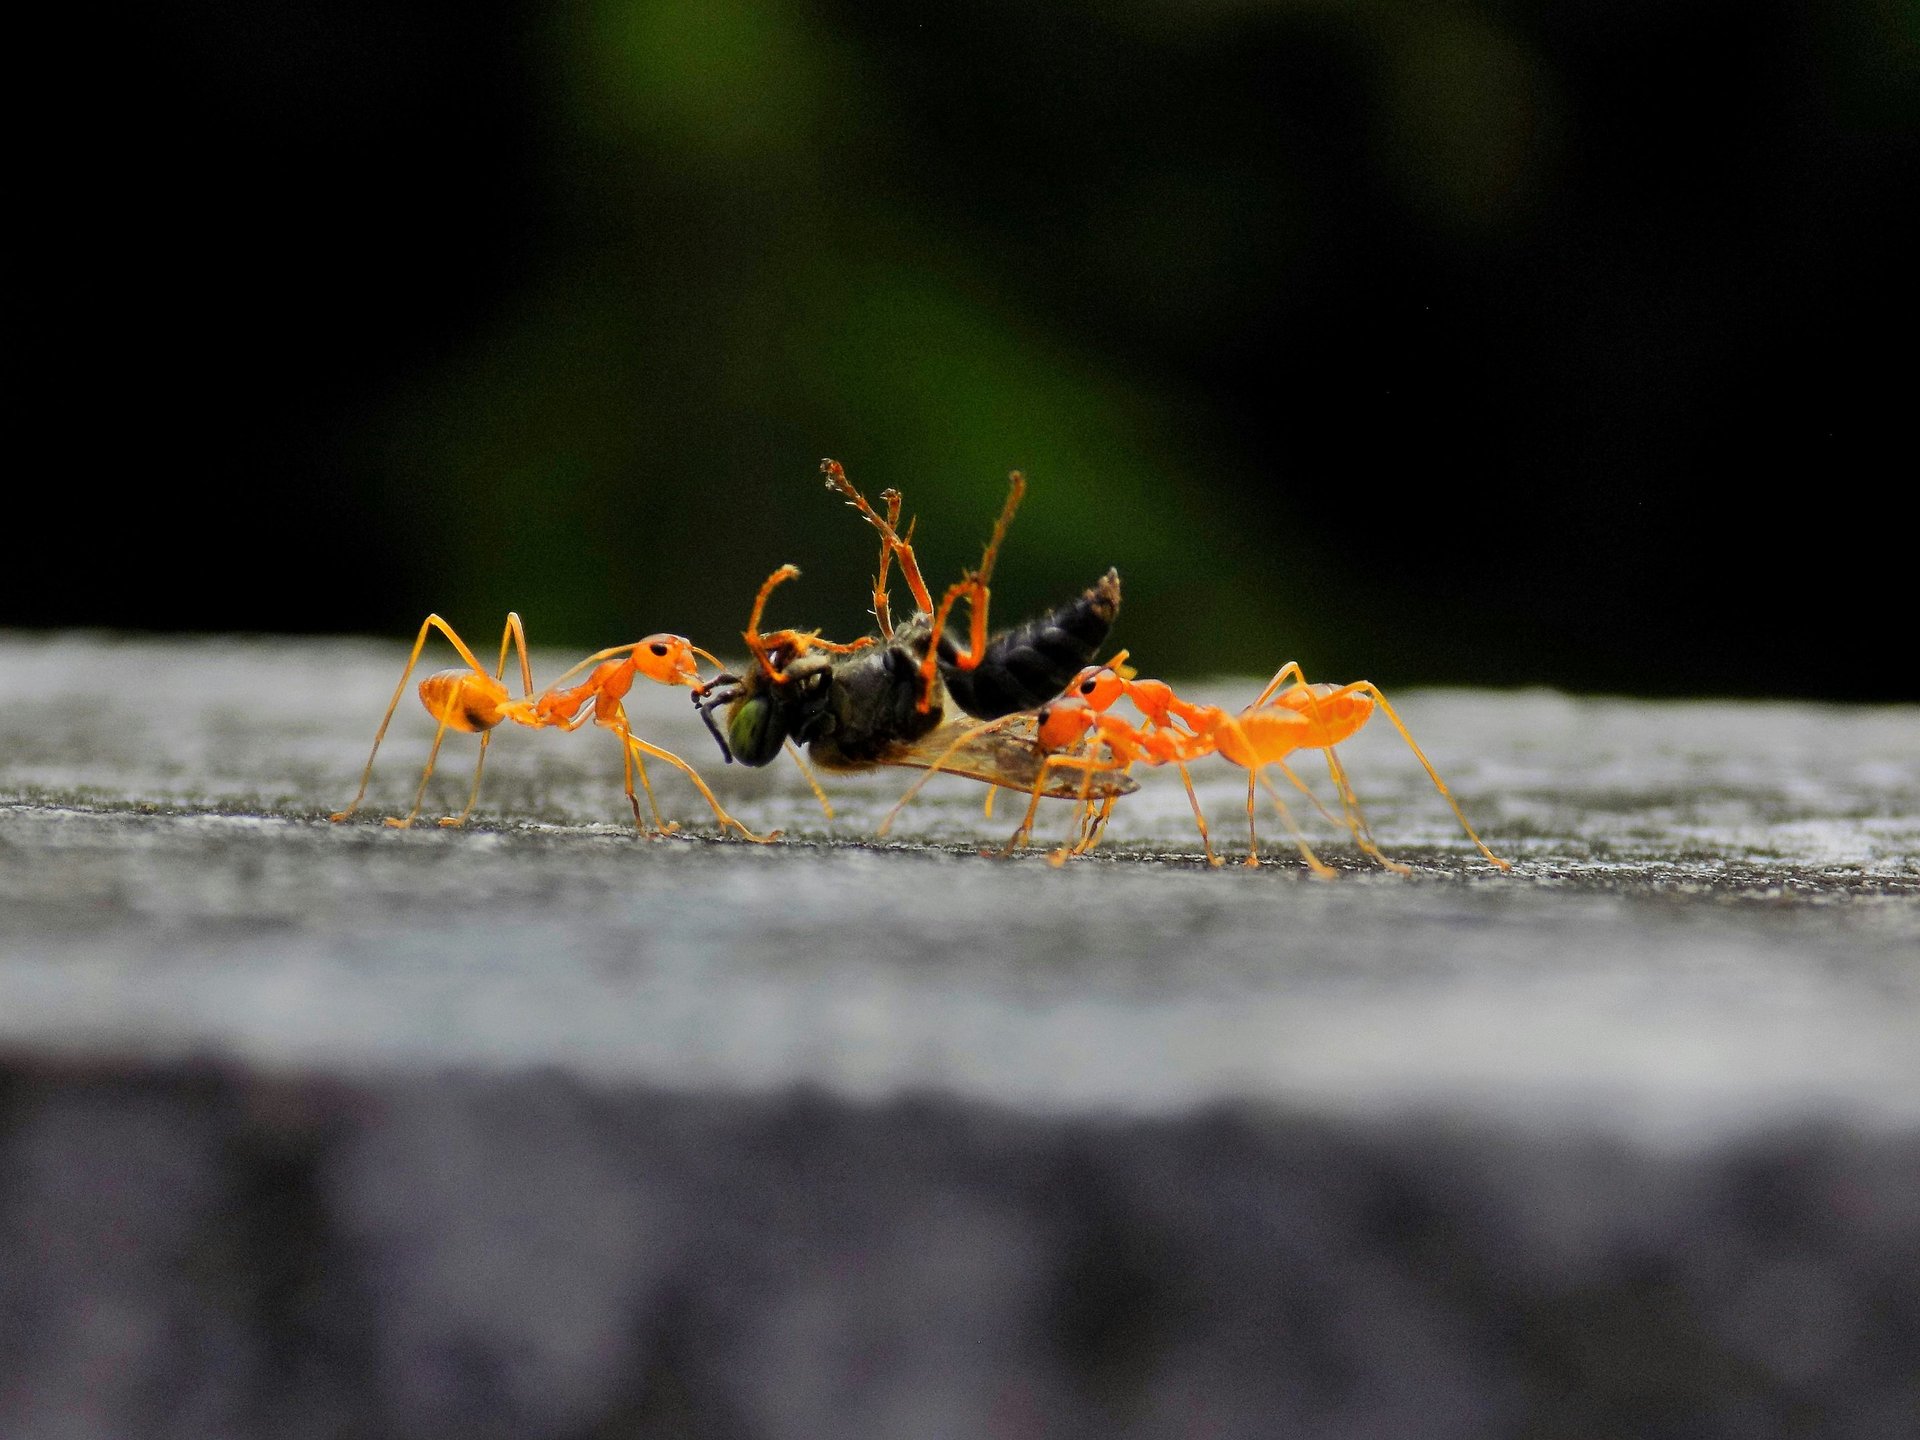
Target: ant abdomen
(464, 699)
(1027, 666)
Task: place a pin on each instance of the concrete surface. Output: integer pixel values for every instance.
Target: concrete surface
(541, 1128)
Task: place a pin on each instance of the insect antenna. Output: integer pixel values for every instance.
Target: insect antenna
(720, 690)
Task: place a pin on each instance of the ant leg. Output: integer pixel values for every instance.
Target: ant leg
(1306, 790)
(611, 652)
(1093, 822)
(473, 796)
(1289, 670)
(1094, 818)
(974, 587)
(1314, 863)
(1298, 784)
(889, 537)
(427, 627)
(630, 756)
(1254, 774)
(1347, 798)
(1369, 688)
(1083, 824)
(514, 637)
(1064, 761)
(1199, 816)
(1356, 818)
(641, 746)
(1024, 831)
(425, 775)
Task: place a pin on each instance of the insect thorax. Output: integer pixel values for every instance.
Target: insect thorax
(872, 705)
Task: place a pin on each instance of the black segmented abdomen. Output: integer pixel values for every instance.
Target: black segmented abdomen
(1027, 666)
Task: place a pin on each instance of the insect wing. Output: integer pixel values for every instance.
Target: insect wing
(1004, 757)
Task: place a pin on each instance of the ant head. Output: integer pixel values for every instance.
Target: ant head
(1062, 722)
(1101, 685)
(667, 659)
(1098, 687)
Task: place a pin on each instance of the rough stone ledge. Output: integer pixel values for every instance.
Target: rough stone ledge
(196, 1250)
(537, 1128)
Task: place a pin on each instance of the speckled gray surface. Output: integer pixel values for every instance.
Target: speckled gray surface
(1519, 1122)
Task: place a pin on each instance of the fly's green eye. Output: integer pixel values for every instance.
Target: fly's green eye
(754, 733)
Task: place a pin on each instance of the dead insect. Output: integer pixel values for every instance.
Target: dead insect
(881, 700)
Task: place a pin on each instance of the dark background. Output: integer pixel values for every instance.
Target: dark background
(1502, 343)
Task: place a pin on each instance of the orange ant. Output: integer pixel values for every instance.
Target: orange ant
(1071, 731)
(475, 701)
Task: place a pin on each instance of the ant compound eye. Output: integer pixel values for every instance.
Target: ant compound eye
(1086, 685)
(754, 732)
(658, 648)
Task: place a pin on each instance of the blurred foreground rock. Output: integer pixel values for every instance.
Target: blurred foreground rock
(540, 1129)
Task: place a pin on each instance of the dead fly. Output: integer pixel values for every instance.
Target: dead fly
(882, 699)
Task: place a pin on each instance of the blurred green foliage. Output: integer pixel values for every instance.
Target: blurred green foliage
(636, 444)
(1419, 340)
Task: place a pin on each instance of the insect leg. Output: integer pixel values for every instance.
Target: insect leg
(974, 587)
(1025, 829)
(882, 601)
(762, 651)
(807, 771)
(890, 540)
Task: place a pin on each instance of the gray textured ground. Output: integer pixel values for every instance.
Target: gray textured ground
(543, 1127)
